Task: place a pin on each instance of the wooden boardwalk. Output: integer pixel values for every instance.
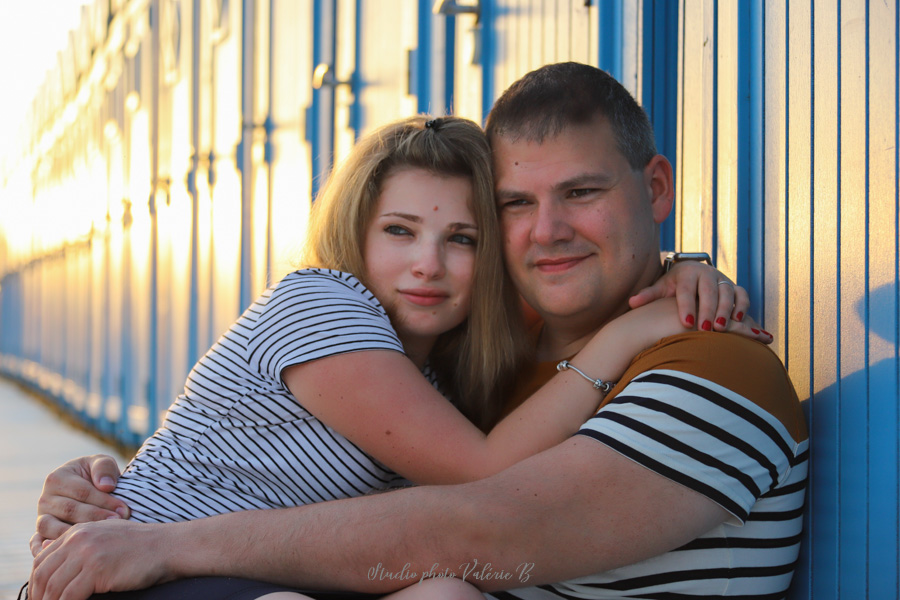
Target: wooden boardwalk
(33, 440)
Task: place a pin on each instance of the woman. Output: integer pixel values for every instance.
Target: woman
(317, 393)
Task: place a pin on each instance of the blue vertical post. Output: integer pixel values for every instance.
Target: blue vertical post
(609, 16)
(126, 380)
(423, 59)
(153, 341)
(194, 296)
(319, 117)
(715, 139)
(488, 57)
(245, 147)
(748, 132)
(659, 85)
(356, 108)
(269, 153)
(449, 64)
(756, 242)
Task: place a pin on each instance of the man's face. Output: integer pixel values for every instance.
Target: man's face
(580, 225)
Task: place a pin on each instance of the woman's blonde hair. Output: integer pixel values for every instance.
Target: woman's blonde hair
(475, 362)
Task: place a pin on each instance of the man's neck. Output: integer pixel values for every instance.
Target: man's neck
(563, 337)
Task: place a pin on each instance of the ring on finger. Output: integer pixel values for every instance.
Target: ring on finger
(724, 281)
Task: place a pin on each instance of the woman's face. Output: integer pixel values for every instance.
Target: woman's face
(420, 254)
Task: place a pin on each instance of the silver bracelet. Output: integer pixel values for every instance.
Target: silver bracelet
(599, 384)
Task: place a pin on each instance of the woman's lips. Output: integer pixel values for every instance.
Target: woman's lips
(424, 297)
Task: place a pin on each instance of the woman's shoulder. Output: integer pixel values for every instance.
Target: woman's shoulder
(325, 284)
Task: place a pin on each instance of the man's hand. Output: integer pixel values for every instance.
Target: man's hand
(91, 558)
(703, 291)
(77, 492)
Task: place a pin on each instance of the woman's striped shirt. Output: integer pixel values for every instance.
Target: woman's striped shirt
(237, 438)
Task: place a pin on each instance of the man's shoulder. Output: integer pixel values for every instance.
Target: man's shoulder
(743, 366)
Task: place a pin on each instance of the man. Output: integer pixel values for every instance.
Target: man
(689, 481)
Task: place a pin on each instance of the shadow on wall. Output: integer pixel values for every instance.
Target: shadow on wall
(850, 539)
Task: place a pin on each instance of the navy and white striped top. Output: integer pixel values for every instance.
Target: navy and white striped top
(237, 438)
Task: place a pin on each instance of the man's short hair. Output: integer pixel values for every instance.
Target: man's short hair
(554, 97)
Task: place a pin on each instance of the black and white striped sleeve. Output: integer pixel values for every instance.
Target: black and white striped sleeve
(698, 434)
(314, 314)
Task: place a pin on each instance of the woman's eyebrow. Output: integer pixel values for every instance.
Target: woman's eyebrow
(458, 226)
(417, 219)
(402, 215)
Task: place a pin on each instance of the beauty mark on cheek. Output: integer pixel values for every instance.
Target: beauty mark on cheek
(435, 209)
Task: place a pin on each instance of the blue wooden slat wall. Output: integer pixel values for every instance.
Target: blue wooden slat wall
(817, 187)
(781, 118)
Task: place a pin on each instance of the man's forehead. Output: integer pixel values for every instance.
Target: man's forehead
(598, 131)
(578, 152)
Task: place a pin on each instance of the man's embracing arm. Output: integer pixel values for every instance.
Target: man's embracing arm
(573, 510)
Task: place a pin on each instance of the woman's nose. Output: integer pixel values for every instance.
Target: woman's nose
(429, 263)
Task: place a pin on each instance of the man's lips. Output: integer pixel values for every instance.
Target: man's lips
(557, 265)
(424, 297)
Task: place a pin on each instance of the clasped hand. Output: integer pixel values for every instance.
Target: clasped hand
(103, 556)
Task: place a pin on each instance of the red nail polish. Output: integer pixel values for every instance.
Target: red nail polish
(755, 331)
(690, 320)
(706, 326)
(721, 321)
(767, 333)
(739, 316)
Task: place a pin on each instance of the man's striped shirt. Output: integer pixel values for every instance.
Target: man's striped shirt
(717, 414)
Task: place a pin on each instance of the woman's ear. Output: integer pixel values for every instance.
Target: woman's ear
(660, 186)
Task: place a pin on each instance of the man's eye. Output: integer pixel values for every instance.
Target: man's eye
(514, 203)
(396, 230)
(581, 192)
(460, 238)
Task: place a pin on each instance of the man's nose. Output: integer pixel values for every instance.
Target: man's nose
(550, 225)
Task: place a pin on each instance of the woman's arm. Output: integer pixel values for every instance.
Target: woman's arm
(381, 402)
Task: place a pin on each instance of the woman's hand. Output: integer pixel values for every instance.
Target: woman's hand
(702, 290)
(614, 347)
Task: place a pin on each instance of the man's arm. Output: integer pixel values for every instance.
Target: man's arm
(580, 494)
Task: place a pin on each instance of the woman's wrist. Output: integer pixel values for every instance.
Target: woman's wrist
(607, 355)
(603, 386)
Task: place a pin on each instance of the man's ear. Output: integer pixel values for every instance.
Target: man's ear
(660, 186)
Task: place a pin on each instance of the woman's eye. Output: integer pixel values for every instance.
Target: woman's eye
(396, 230)
(466, 240)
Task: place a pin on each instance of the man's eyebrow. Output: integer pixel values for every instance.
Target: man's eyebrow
(585, 180)
(577, 181)
(503, 194)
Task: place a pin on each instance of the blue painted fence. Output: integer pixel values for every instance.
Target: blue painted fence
(176, 146)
